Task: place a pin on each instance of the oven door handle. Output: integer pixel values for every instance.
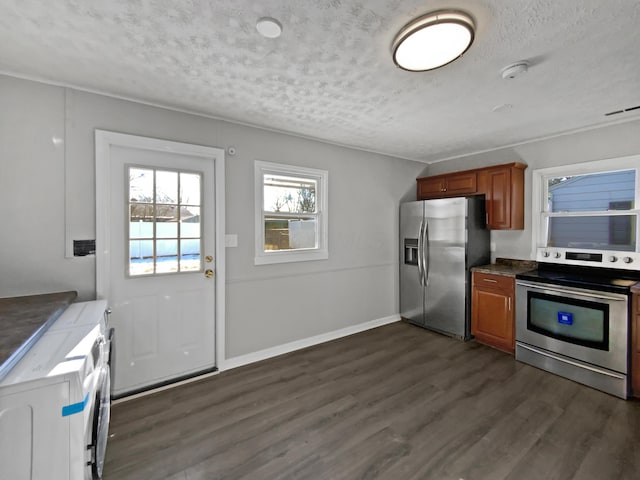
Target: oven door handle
(570, 292)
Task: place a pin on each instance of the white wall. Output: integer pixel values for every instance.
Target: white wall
(598, 144)
(47, 173)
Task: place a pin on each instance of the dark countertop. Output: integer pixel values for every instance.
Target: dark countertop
(506, 266)
(24, 319)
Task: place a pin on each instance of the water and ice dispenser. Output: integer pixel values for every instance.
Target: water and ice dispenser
(411, 251)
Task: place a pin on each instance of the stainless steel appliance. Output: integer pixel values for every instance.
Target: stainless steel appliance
(573, 321)
(440, 240)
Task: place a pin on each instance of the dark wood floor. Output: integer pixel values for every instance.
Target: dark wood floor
(397, 403)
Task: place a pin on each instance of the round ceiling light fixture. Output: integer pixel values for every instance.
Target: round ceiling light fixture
(269, 27)
(433, 40)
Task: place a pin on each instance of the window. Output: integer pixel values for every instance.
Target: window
(588, 206)
(291, 213)
(164, 230)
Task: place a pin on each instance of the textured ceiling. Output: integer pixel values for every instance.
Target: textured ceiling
(330, 75)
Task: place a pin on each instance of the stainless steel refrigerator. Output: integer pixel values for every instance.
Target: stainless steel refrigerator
(440, 240)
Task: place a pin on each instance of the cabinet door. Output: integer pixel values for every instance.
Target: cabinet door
(499, 199)
(430, 187)
(505, 198)
(465, 183)
(492, 319)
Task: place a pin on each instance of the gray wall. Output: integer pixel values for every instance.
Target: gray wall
(598, 144)
(47, 199)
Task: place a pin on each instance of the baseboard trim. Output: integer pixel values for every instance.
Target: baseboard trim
(241, 360)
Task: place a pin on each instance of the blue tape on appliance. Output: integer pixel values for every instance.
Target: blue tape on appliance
(565, 318)
(75, 407)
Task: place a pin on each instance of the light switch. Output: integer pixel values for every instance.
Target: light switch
(231, 240)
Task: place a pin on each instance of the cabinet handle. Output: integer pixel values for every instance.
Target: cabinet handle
(489, 280)
(509, 303)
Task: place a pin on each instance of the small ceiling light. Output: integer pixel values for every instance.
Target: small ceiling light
(269, 27)
(433, 40)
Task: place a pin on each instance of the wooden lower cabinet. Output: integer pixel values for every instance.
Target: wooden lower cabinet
(635, 343)
(492, 310)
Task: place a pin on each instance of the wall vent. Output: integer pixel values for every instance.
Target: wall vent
(616, 112)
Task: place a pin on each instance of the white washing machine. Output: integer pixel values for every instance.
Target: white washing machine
(55, 402)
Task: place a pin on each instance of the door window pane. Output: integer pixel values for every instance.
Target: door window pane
(141, 221)
(141, 257)
(166, 221)
(190, 255)
(166, 187)
(190, 222)
(164, 232)
(141, 185)
(189, 189)
(166, 256)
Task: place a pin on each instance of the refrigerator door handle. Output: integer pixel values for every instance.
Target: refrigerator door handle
(420, 260)
(427, 261)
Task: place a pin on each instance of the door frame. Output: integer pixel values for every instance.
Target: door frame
(104, 140)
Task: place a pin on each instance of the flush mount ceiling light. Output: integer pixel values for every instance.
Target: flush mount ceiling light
(269, 27)
(433, 40)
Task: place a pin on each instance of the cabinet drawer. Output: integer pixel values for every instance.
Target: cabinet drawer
(501, 282)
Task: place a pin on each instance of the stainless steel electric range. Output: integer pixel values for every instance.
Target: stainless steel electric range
(573, 320)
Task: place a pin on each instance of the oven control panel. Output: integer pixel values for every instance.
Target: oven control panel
(591, 258)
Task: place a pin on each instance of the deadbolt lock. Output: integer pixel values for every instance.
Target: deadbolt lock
(208, 259)
(208, 273)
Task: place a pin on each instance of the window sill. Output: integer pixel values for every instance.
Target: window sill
(290, 257)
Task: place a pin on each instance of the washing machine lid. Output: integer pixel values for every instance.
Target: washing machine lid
(57, 353)
(84, 313)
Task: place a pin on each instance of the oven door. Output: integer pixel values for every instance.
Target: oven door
(586, 325)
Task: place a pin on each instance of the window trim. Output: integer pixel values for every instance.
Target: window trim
(263, 257)
(539, 212)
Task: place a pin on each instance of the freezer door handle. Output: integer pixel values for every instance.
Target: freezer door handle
(426, 261)
(420, 259)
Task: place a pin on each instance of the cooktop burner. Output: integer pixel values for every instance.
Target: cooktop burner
(601, 279)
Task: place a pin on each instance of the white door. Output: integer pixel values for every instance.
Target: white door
(159, 264)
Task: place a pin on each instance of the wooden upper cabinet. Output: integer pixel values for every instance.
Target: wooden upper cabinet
(502, 185)
(462, 184)
(505, 198)
(450, 185)
(431, 187)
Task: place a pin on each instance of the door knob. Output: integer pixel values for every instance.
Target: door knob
(208, 273)
(208, 259)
